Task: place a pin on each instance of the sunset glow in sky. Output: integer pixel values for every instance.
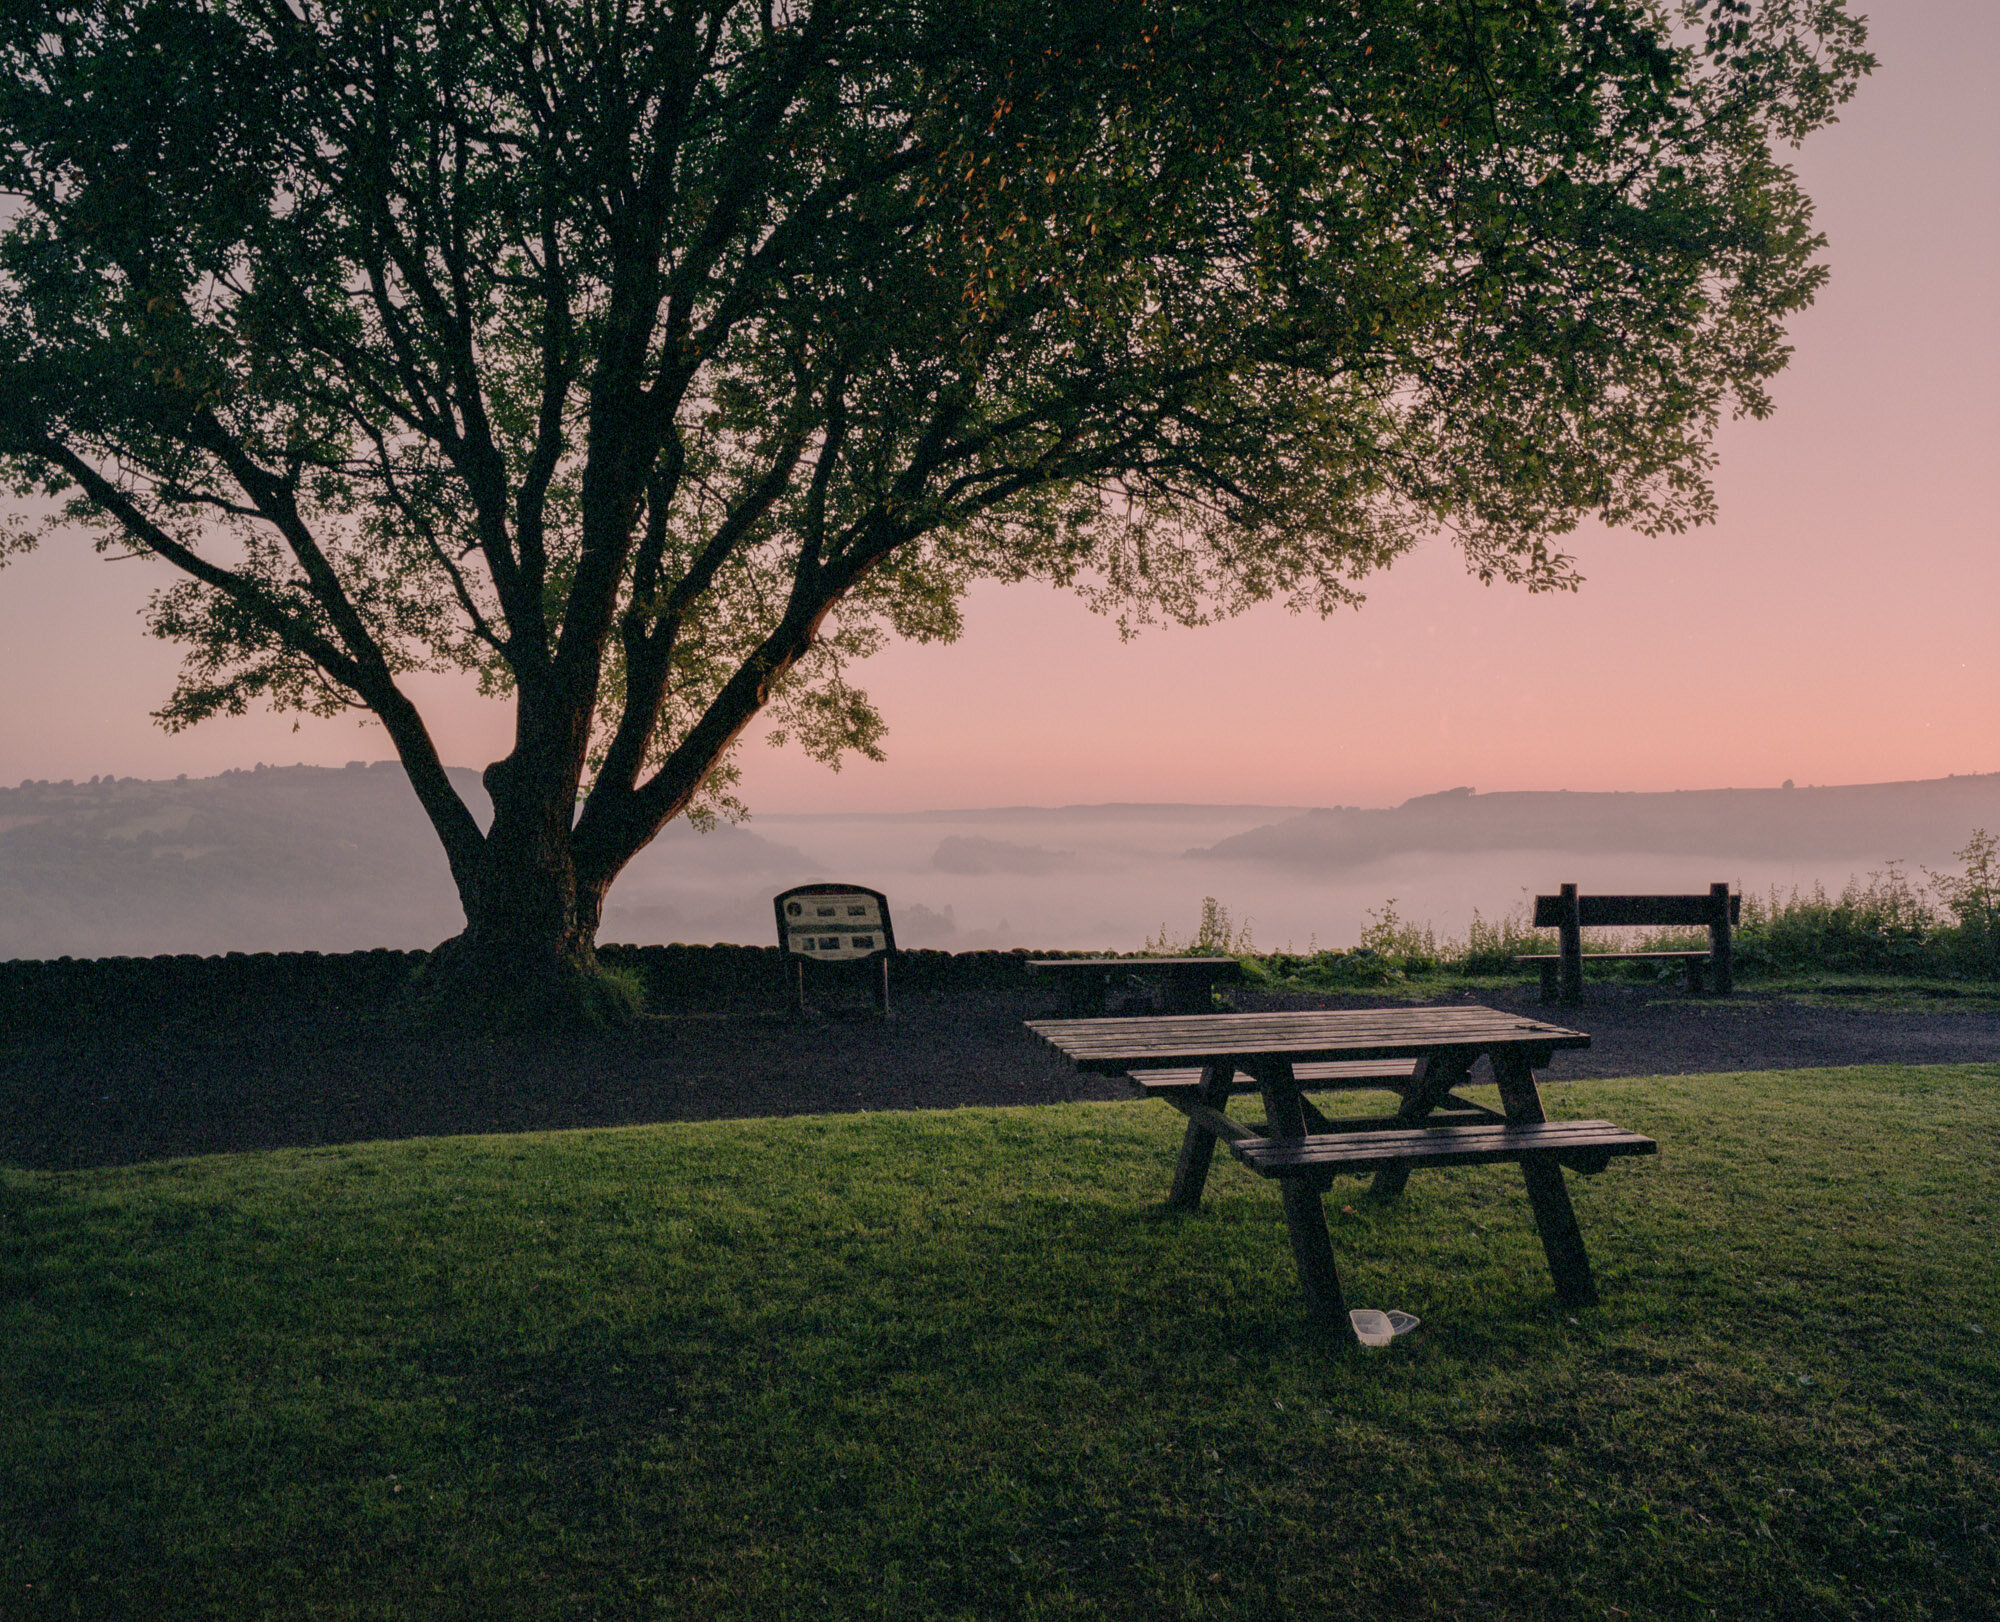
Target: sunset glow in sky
(1837, 626)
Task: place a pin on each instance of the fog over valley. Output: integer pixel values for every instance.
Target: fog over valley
(318, 858)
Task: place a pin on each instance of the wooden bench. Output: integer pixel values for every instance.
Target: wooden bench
(1585, 1147)
(1187, 983)
(1570, 914)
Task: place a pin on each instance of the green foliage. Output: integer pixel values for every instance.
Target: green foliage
(1388, 935)
(1973, 897)
(657, 362)
(958, 1364)
(1217, 935)
(1490, 948)
(1945, 928)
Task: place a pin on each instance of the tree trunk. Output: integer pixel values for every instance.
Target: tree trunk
(527, 958)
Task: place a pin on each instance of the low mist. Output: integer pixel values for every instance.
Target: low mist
(310, 858)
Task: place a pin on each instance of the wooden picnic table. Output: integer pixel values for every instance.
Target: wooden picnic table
(1196, 1062)
(1188, 983)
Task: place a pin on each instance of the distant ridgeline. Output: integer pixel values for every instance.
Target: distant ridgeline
(279, 857)
(1871, 823)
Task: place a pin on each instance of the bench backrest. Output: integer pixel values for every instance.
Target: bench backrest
(834, 923)
(1612, 911)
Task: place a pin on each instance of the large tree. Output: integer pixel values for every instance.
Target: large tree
(655, 361)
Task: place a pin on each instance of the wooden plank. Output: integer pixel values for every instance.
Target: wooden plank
(1476, 1145)
(1374, 1142)
(1569, 924)
(1223, 968)
(1312, 1250)
(1283, 1108)
(1333, 1072)
(1451, 1101)
(1339, 1074)
(1633, 911)
(1472, 1116)
(1113, 1046)
(1606, 957)
(1218, 1124)
(1437, 1075)
(1721, 950)
(1555, 1217)
(1159, 1083)
(1198, 1141)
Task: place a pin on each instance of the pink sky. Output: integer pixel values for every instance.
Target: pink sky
(1837, 625)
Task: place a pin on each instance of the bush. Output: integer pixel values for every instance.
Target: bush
(1216, 936)
(1945, 927)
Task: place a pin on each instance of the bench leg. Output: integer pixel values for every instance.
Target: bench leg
(1435, 1078)
(1696, 979)
(1305, 1219)
(1570, 938)
(1562, 1239)
(1548, 981)
(1198, 1143)
(1555, 1217)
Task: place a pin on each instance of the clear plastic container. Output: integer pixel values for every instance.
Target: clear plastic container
(1374, 1328)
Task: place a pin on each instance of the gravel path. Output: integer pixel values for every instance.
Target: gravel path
(121, 1100)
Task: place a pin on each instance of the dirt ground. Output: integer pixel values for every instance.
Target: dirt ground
(123, 1097)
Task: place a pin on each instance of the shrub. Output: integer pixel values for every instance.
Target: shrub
(1946, 927)
(1973, 897)
(1217, 936)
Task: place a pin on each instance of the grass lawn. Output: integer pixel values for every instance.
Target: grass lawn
(961, 1365)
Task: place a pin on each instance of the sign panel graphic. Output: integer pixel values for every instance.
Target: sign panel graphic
(834, 923)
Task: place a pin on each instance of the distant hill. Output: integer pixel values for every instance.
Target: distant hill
(285, 858)
(1921, 822)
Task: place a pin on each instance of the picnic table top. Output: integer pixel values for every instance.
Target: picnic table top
(1113, 1046)
(1134, 963)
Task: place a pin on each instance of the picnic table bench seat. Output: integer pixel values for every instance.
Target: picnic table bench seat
(1585, 1147)
(1320, 1077)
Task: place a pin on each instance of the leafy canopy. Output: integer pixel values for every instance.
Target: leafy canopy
(655, 361)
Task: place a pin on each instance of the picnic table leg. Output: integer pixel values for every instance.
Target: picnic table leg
(1555, 1217)
(1435, 1077)
(1305, 1220)
(1198, 1143)
(1305, 1215)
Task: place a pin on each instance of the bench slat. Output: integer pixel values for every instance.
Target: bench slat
(1606, 957)
(1634, 911)
(1328, 1153)
(1326, 1073)
(1223, 968)
(1224, 1127)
